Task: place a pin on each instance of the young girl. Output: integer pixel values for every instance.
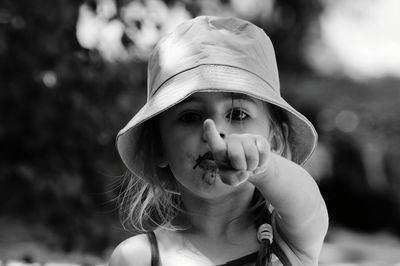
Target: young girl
(215, 157)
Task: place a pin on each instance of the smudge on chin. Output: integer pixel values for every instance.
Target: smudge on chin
(210, 176)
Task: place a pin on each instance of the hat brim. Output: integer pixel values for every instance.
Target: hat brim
(215, 78)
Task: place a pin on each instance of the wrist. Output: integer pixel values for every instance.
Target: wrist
(266, 174)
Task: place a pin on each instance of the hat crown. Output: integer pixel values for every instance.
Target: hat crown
(209, 40)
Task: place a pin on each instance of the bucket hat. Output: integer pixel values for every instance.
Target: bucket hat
(215, 54)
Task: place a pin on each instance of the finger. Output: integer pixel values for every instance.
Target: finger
(234, 178)
(214, 140)
(236, 154)
(264, 150)
(251, 153)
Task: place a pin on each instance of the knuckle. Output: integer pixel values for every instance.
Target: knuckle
(235, 157)
(237, 161)
(252, 157)
(234, 137)
(263, 146)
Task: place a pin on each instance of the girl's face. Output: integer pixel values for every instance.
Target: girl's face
(181, 131)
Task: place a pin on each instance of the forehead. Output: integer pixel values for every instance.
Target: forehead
(221, 96)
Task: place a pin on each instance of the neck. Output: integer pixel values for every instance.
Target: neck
(219, 217)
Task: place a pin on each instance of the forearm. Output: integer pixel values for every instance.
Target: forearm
(300, 208)
(289, 188)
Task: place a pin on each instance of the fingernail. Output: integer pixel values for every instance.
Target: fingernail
(206, 125)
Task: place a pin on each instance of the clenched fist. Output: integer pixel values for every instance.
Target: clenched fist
(239, 157)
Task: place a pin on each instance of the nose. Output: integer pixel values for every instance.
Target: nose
(221, 126)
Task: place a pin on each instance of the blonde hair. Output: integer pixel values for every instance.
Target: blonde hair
(151, 200)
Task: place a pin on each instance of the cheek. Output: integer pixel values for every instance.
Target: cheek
(260, 127)
(179, 147)
(265, 125)
(173, 148)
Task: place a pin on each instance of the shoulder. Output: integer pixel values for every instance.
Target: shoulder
(134, 251)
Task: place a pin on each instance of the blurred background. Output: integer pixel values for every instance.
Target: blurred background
(73, 73)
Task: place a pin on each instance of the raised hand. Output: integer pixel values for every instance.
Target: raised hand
(238, 156)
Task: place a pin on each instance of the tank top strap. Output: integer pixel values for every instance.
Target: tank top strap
(280, 254)
(155, 253)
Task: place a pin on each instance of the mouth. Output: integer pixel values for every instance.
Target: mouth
(206, 161)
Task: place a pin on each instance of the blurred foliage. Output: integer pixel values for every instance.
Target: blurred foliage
(61, 106)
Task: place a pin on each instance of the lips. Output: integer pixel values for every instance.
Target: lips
(208, 165)
(206, 161)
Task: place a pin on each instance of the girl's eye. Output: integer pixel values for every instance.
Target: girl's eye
(190, 117)
(237, 115)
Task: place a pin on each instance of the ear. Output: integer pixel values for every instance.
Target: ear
(285, 128)
(279, 141)
(287, 150)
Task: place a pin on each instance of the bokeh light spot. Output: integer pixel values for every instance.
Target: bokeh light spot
(49, 79)
(346, 121)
